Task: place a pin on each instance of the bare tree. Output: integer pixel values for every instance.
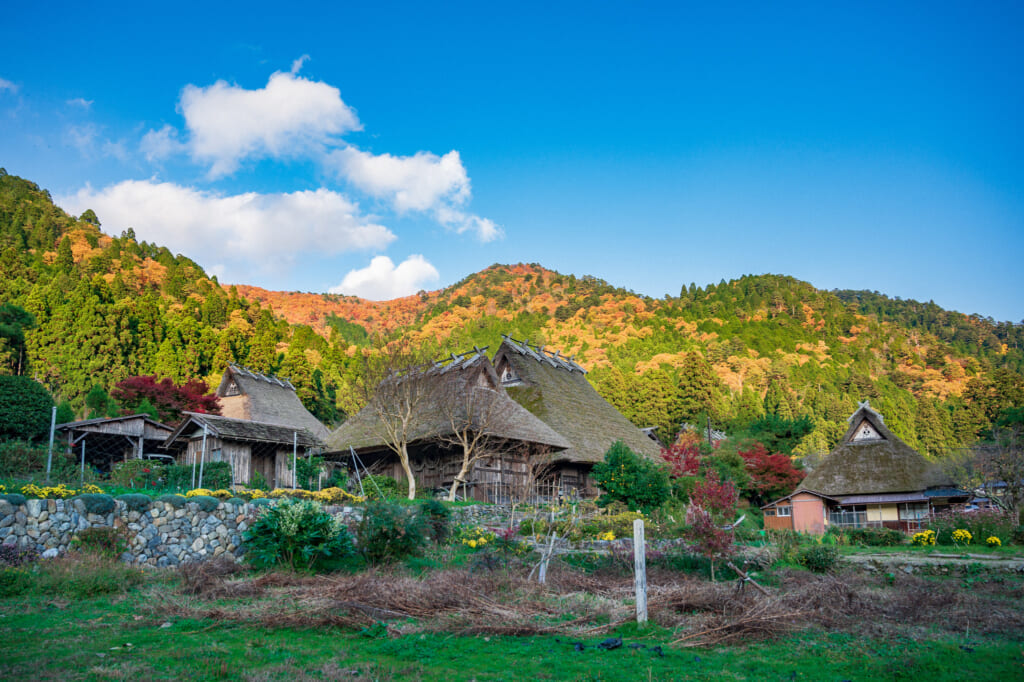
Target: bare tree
(473, 418)
(1002, 465)
(995, 468)
(402, 389)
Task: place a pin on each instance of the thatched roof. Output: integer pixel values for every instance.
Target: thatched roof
(555, 389)
(463, 385)
(871, 460)
(245, 394)
(227, 428)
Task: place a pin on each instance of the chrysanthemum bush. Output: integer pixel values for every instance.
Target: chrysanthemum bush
(993, 541)
(925, 538)
(962, 536)
(980, 524)
(58, 492)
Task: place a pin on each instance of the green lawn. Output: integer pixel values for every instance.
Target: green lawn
(126, 637)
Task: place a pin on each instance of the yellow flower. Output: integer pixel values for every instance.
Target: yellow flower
(472, 543)
(993, 541)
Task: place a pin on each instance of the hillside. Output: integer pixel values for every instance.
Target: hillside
(109, 307)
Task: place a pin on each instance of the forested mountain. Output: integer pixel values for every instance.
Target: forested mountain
(106, 308)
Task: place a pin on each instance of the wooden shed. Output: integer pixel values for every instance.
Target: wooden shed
(250, 447)
(107, 441)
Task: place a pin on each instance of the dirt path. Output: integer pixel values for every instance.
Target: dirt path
(909, 562)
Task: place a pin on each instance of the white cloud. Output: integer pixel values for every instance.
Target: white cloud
(79, 102)
(419, 182)
(160, 144)
(423, 182)
(297, 64)
(291, 116)
(7, 85)
(88, 139)
(236, 232)
(382, 281)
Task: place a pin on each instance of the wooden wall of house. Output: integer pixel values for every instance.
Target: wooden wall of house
(283, 474)
(239, 456)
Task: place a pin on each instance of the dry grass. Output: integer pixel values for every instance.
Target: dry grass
(575, 603)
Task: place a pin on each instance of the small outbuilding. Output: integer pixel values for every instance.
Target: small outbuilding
(107, 441)
(250, 447)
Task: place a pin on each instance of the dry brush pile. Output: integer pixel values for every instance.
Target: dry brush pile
(578, 604)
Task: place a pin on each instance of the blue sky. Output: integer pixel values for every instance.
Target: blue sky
(380, 150)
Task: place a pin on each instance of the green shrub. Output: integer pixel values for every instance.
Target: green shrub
(787, 543)
(627, 477)
(15, 499)
(144, 474)
(205, 502)
(835, 536)
(818, 558)
(619, 524)
(24, 408)
(391, 532)
(338, 478)
(438, 518)
(261, 502)
(215, 475)
(389, 487)
(298, 534)
(1017, 537)
(98, 503)
(875, 537)
(102, 541)
(19, 459)
(136, 501)
(176, 501)
(258, 481)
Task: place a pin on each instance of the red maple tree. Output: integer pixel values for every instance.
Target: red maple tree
(771, 474)
(169, 399)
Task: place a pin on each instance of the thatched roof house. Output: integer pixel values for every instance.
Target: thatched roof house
(871, 460)
(250, 447)
(245, 394)
(872, 478)
(555, 389)
(461, 392)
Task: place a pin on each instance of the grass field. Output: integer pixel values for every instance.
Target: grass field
(83, 619)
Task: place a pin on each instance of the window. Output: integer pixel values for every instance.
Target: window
(786, 510)
(913, 511)
(769, 512)
(855, 516)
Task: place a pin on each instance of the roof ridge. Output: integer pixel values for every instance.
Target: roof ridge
(542, 354)
(268, 378)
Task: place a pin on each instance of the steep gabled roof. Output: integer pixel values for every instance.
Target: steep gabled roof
(555, 389)
(466, 374)
(242, 429)
(871, 460)
(246, 394)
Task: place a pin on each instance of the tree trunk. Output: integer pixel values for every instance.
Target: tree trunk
(459, 478)
(407, 468)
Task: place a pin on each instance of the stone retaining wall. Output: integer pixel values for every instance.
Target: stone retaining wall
(165, 534)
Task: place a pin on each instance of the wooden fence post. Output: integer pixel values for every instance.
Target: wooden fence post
(640, 571)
